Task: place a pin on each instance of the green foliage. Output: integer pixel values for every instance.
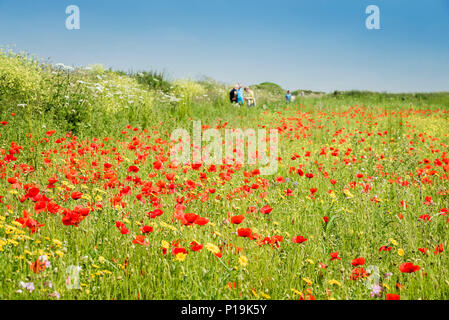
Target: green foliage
(419, 99)
(153, 80)
(20, 77)
(271, 87)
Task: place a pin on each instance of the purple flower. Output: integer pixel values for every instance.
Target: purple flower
(27, 285)
(377, 289)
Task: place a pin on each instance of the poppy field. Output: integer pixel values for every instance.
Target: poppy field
(358, 208)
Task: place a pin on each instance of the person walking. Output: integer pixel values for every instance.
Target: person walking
(288, 96)
(240, 99)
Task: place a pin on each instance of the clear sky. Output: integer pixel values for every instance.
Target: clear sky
(316, 44)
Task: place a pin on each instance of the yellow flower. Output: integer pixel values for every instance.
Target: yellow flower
(348, 193)
(254, 293)
(212, 248)
(333, 281)
(59, 253)
(263, 294)
(394, 242)
(13, 242)
(401, 252)
(17, 224)
(101, 259)
(86, 197)
(308, 281)
(243, 261)
(57, 242)
(165, 244)
(99, 190)
(163, 224)
(296, 291)
(181, 256)
(310, 261)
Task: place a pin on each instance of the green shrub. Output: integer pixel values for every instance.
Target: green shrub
(20, 77)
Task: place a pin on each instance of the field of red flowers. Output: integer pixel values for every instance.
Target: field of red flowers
(358, 209)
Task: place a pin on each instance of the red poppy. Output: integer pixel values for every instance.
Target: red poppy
(195, 246)
(392, 296)
(76, 195)
(201, 221)
(358, 262)
(177, 250)
(298, 239)
(146, 229)
(12, 180)
(408, 267)
(237, 219)
(334, 256)
(140, 240)
(155, 213)
(438, 249)
(359, 273)
(423, 250)
(244, 232)
(157, 165)
(266, 209)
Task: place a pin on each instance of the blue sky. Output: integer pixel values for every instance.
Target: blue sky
(319, 44)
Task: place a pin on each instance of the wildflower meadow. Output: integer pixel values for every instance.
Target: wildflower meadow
(94, 206)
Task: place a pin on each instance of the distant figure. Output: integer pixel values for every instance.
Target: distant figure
(288, 96)
(240, 99)
(293, 98)
(233, 94)
(250, 99)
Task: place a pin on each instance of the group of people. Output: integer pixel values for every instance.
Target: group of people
(289, 97)
(240, 95)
